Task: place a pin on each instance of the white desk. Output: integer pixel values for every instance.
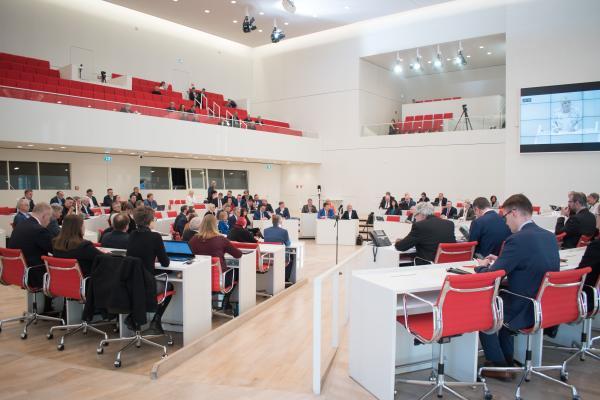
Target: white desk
(326, 231)
(163, 225)
(272, 281)
(93, 224)
(297, 249)
(290, 225)
(308, 225)
(393, 230)
(245, 292)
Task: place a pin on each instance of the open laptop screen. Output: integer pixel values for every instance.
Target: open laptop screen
(177, 247)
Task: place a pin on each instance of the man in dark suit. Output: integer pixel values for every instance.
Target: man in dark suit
(262, 213)
(268, 206)
(217, 200)
(591, 258)
(90, 195)
(59, 198)
(235, 215)
(181, 220)
(211, 189)
(277, 234)
(448, 211)
(582, 222)
(309, 208)
(440, 200)
(118, 238)
(22, 212)
(489, 229)
(34, 240)
(228, 196)
(137, 194)
(426, 234)
(350, 213)
(528, 254)
(407, 202)
(28, 194)
(283, 211)
(386, 201)
(109, 198)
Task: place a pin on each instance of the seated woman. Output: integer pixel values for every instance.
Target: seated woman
(239, 233)
(70, 244)
(223, 225)
(208, 242)
(148, 246)
(394, 209)
(494, 202)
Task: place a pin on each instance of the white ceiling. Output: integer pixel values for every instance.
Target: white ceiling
(476, 56)
(311, 15)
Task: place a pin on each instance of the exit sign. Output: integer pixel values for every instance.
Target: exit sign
(107, 158)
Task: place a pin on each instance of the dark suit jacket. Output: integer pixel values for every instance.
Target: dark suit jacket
(94, 202)
(451, 212)
(257, 214)
(85, 254)
(277, 234)
(107, 202)
(406, 205)
(188, 234)
(489, 231)
(20, 217)
(31, 204)
(353, 216)
(138, 196)
(526, 257)
(211, 190)
(582, 223)
(53, 227)
(179, 223)
(148, 246)
(285, 213)
(306, 209)
(115, 240)
(231, 220)
(591, 258)
(56, 200)
(34, 241)
(382, 202)
(436, 201)
(470, 214)
(393, 211)
(239, 234)
(426, 235)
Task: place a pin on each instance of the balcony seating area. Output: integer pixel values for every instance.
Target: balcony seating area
(444, 99)
(41, 83)
(423, 123)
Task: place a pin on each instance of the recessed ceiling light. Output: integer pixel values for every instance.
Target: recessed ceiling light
(206, 11)
(19, 147)
(63, 147)
(175, 1)
(16, 168)
(468, 56)
(29, 145)
(260, 30)
(50, 148)
(481, 47)
(286, 23)
(233, 1)
(447, 59)
(133, 154)
(489, 53)
(261, 13)
(235, 21)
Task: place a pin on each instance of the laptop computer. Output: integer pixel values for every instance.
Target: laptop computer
(178, 251)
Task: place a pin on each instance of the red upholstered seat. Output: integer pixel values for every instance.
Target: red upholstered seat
(454, 252)
(421, 324)
(392, 218)
(171, 214)
(64, 278)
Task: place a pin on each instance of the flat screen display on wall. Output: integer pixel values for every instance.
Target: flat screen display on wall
(560, 118)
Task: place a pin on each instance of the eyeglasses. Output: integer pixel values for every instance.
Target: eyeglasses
(506, 214)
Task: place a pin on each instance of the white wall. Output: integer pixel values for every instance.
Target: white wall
(535, 32)
(123, 173)
(380, 97)
(124, 41)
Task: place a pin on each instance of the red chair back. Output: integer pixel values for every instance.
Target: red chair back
(171, 214)
(459, 205)
(437, 214)
(560, 237)
(537, 209)
(63, 278)
(466, 303)
(218, 278)
(584, 240)
(158, 215)
(199, 206)
(263, 261)
(454, 252)
(392, 218)
(96, 210)
(560, 298)
(12, 267)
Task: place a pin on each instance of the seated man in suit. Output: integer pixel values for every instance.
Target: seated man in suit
(268, 206)
(582, 222)
(118, 238)
(262, 213)
(86, 210)
(28, 194)
(407, 202)
(326, 211)
(109, 198)
(59, 198)
(350, 213)
(386, 201)
(448, 211)
(277, 234)
(34, 240)
(440, 200)
(489, 229)
(53, 226)
(192, 229)
(235, 215)
(22, 212)
(528, 254)
(150, 202)
(426, 233)
(309, 208)
(90, 195)
(180, 220)
(283, 211)
(467, 212)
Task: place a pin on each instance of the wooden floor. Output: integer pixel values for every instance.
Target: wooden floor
(269, 357)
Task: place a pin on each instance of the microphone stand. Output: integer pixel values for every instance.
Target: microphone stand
(337, 233)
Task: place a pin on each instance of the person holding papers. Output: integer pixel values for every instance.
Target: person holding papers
(326, 212)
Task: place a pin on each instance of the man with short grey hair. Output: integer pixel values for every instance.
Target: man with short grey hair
(192, 229)
(426, 234)
(22, 212)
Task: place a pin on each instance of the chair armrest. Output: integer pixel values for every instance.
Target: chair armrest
(537, 309)
(26, 277)
(596, 300)
(166, 276)
(82, 288)
(435, 312)
(498, 316)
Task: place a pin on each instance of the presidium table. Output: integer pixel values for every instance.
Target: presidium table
(327, 230)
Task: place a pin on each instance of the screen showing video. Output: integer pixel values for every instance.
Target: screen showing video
(560, 118)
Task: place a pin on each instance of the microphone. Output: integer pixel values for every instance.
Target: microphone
(340, 208)
(319, 189)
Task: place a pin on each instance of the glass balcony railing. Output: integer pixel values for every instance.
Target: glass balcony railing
(435, 126)
(195, 114)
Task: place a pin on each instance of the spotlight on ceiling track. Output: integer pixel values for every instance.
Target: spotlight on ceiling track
(438, 62)
(417, 64)
(249, 23)
(289, 5)
(460, 58)
(277, 34)
(398, 65)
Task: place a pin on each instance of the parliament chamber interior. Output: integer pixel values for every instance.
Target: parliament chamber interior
(299, 199)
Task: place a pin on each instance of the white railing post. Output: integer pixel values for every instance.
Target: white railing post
(316, 357)
(335, 309)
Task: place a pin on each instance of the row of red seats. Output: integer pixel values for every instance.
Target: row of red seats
(444, 99)
(436, 125)
(13, 58)
(9, 66)
(427, 117)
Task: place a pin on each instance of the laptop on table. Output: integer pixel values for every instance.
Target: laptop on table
(178, 251)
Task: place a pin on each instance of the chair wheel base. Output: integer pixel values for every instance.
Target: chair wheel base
(170, 342)
(60, 347)
(49, 336)
(117, 364)
(23, 336)
(99, 350)
(487, 396)
(564, 376)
